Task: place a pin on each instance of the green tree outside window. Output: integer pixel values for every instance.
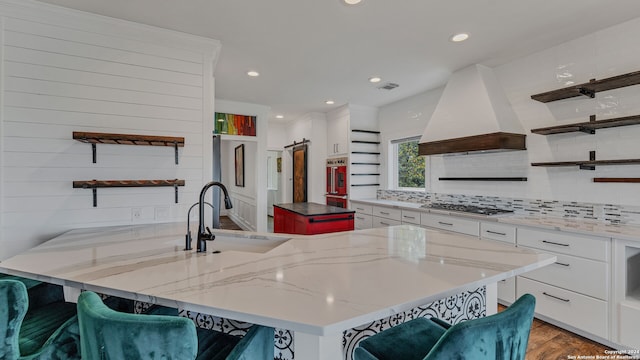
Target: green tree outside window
(410, 165)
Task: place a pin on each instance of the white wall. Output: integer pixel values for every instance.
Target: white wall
(403, 119)
(312, 126)
(65, 71)
(249, 202)
(598, 55)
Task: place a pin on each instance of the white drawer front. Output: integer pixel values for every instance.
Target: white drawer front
(591, 247)
(362, 221)
(580, 311)
(411, 217)
(500, 232)
(629, 318)
(362, 208)
(382, 222)
(585, 276)
(507, 290)
(388, 213)
(451, 223)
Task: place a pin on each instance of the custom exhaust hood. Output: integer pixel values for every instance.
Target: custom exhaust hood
(473, 115)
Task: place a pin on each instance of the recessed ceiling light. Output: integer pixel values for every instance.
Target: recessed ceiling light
(375, 79)
(460, 37)
(329, 102)
(279, 116)
(253, 73)
(352, 2)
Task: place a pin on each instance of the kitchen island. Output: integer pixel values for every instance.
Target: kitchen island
(317, 286)
(311, 218)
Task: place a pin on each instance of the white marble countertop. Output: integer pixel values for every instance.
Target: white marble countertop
(321, 284)
(579, 226)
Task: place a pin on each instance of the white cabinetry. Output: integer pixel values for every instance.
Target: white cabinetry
(450, 223)
(338, 132)
(505, 233)
(574, 290)
(386, 216)
(363, 216)
(411, 217)
(626, 298)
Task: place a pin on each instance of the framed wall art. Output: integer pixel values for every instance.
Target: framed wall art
(240, 165)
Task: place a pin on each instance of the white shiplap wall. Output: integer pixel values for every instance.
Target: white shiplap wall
(65, 71)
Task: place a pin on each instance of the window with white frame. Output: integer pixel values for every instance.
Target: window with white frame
(408, 167)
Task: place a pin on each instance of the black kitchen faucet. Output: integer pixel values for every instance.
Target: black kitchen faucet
(203, 236)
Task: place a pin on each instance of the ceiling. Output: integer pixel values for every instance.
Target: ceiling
(309, 51)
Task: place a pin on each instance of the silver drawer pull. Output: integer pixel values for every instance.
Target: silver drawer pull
(444, 223)
(555, 297)
(504, 281)
(384, 213)
(384, 223)
(562, 264)
(496, 233)
(554, 243)
(410, 217)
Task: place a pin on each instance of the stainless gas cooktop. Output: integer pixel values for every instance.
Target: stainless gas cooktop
(467, 208)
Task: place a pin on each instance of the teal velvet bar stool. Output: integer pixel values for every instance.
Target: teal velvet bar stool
(108, 334)
(500, 336)
(48, 332)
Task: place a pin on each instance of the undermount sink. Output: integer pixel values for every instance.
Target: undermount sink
(245, 243)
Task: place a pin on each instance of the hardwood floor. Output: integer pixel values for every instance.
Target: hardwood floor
(549, 342)
(227, 224)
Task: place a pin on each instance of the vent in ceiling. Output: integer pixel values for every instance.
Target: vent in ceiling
(388, 86)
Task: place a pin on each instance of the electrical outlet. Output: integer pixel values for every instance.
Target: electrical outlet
(162, 213)
(136, 214)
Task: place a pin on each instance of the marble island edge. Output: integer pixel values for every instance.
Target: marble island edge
(339, 275)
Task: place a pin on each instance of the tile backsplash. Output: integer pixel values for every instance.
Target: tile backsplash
(609, 213)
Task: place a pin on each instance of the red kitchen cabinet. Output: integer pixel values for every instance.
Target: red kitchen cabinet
(311, 219)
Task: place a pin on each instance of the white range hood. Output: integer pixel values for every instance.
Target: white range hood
(473, 115)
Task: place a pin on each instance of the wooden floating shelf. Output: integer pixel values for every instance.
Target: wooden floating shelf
(85, 184)
(366, 174)
(95, 184)
(483, 178)
(127, 139)
(365, 152)
(365, 163)
(616, 180)
(589, 89)
(589, 127)
(589, 164)
(365, 184)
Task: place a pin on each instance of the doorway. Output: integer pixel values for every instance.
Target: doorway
(274, 183)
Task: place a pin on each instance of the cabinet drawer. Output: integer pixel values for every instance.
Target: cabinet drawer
(388, 213)
(451, 223)
(591, 247)
(500, 232)
(383, 222)
(585, 276)
(580, 311)
(362, 208)
(362, 221)
(507, 290)
(411, 217)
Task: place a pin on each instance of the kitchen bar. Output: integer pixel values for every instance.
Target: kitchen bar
(318, 286)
